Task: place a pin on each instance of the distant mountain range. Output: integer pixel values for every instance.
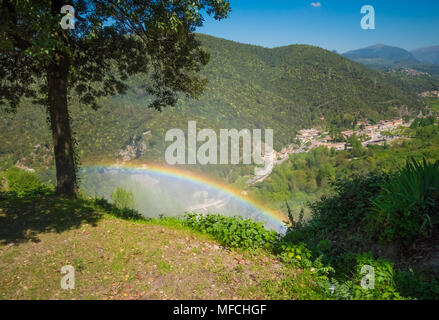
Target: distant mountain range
(427, 55)
(381, 57)
(382, 52)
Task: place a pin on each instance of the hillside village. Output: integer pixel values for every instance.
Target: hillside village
(309, 139)
(430, 94)
(372, 134)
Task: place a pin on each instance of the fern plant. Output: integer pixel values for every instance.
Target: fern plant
(408, 204)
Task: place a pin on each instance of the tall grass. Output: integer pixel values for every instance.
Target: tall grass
(123, 199)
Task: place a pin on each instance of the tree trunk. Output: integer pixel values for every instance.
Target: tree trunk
(57, 77)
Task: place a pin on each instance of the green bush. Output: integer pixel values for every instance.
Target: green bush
(233, 232)
(384, 283)
(383, 286)
(402, 206)
(417, 286)
(122, 206)
(123, 199)
(23, 182)
(422, 122)
(408, 204)
(339, 213)
(299, 256)
(296, 254)
(399, 207)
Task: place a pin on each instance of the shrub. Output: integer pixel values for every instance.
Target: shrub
(23, 182)
(296, 254)
(384, 286)
(408, 204)
(417, 286)
(339, 213)
(123, 199)
(422, 122)
(124, 213)
(233, 232)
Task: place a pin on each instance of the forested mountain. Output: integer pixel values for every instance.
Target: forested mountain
(418, 81)
(285, 88)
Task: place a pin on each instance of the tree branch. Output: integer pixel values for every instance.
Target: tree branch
(11, 19)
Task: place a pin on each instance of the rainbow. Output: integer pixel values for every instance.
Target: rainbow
(273, 215)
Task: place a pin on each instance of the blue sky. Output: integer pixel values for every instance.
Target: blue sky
(333, 25)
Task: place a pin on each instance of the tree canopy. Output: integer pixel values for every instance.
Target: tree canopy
(153, 37)
(111, 40)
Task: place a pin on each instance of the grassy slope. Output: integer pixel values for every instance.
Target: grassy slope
(118, 259)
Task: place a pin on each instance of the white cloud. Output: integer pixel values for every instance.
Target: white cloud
(316, 4)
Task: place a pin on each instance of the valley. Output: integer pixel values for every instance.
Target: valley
(355, 183)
